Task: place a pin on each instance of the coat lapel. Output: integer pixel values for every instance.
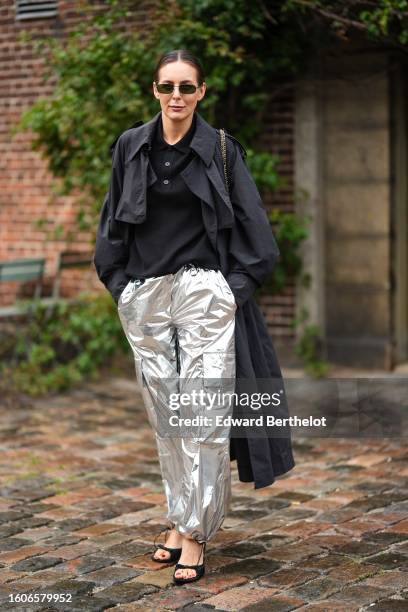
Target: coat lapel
(209, 185)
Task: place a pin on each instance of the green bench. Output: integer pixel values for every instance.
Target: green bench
(70, 260)
(33, 270)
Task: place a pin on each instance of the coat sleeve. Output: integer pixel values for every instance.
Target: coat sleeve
(111, 249)
(253, 250)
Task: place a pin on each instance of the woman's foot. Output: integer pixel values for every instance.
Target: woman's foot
(174, 540)
(192, 554)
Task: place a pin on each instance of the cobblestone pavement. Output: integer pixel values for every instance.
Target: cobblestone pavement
(82, 500)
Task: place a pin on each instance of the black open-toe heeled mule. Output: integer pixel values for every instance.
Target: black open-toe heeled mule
(199, 569)
(175, 553)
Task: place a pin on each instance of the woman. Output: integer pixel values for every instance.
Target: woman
(182, 255)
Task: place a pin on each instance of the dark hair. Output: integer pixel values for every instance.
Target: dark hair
(183, 55)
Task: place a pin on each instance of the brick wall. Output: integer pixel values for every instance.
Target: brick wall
(25, 184)
(278, 138)
(25, 188)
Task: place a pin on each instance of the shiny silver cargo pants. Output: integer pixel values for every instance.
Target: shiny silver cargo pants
(181, 328)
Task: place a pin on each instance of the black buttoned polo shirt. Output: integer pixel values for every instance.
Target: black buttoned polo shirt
(173, 233)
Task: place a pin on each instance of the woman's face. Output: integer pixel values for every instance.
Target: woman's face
(177, 73)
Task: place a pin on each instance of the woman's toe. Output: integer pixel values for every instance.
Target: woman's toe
(161, 554)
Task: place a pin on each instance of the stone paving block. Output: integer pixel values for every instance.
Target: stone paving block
(23, 553)
(12, 543)
(373, 502)
(290, 484)
(284, 578)
(390, 560)
(328, 541)
(75, 524)
(37, 534)
(215, 582)
(142, 562)
(13, 515)
(400, 527)
(131, 607)
(32, 522)
(9, 530)
(303, 528)
(389, 605)
(6, 575)
(125, 592)
(134, 492)
(296, 513)
(272, 503)
(252, 568)
(359, 548)
(110, 539)
(368, 459)
(58, 513)
(243, 549)
(319, 588)
(323, 563)
(280, 603)
(392, 580)
(99, 529)
(154, 498)
(215, 561)
(223, 537)
(351, 571)
(76, 550)
(68, 499)
(345, 497)
(135, 518)
(294, 496)
(387, 516)
(357, 527)
(86, 603)
(113, 507)
(361, 594)
(34, 564)
(108, 576)
(7, 503)
(267, 523)
(86, 564)
(339, 516)
(384, 537)
(329, 605)
(172, 599)
(270, 540)
(127, 550)
(162, 578)
(238, 598)
(401, 547)
(293, 552)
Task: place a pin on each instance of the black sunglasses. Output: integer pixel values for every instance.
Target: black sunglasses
(184, 88)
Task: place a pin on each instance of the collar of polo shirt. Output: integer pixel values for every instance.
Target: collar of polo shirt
(182, 145)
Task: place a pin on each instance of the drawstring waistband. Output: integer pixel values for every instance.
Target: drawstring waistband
(193, 266)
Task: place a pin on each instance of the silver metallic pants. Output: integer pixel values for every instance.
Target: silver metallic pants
(181, 328)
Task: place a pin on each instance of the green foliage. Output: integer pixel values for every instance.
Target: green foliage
(290, 231)
(61, 344)
(380, 20)
(309, 346)
(102, 85)
(102, 76)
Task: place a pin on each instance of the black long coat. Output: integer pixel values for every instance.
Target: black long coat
(238, 227)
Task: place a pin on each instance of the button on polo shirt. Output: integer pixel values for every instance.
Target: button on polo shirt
(173, 233)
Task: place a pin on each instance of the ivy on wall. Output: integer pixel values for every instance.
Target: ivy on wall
(102, 75)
